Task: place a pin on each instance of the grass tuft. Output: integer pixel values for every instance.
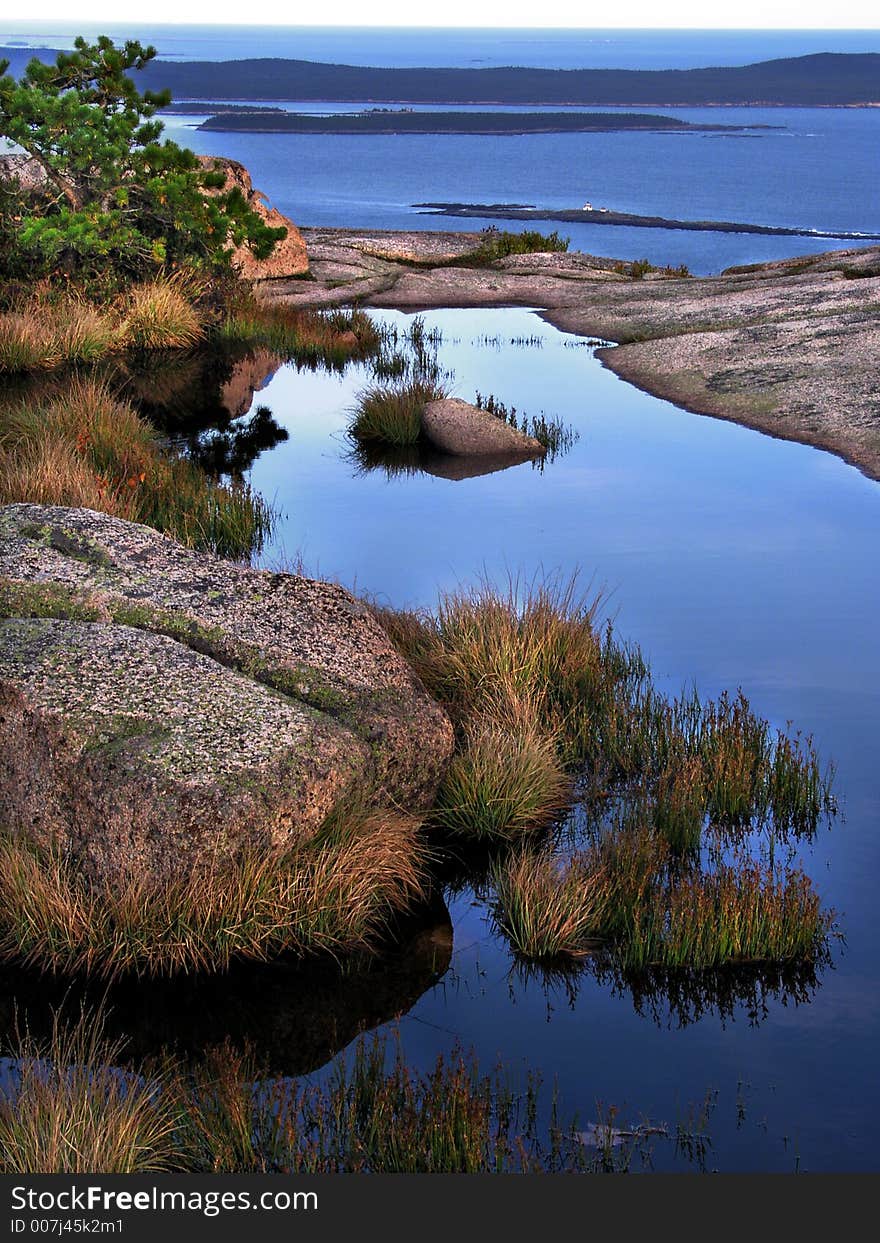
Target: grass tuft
(160, 315)
(501, 783)
(331, 896)
(549, 911)
(392, 413)
(66, 1109)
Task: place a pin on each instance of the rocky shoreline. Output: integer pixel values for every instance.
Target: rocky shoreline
(788, 348)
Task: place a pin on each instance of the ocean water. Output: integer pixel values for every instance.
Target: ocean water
(819, 169)
(439, 46)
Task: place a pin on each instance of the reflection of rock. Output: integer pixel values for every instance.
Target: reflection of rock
(288, 257)
(250, 375)
(423, 460)
(295, 1018)
(202, 706)
(448, 466)
(457, 427)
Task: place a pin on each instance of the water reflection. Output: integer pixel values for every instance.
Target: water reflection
(675, 999)
(398, 461)
(296, 1017)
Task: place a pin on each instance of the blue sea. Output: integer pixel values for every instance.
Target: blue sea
(818, 169)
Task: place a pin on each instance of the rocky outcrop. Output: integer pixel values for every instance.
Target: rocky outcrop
(288, 258)
(24, 169)
(161, 707)
(457, 427)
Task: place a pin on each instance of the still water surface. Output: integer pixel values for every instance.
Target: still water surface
(734, 560)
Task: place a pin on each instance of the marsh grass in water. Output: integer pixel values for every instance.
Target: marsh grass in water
(74, 1105)
(334, 895)
(329, 338)
(625, 904)
(67, 1108)
(406, 376)
(556, 436)
(82, 446)
(529, 672)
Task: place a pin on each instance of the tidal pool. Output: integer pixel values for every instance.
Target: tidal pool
(734, 560)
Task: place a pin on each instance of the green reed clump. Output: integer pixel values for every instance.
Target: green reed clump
(333, 895)
(392, 413)
(65, 1108)
(501, 783)
(556, 437)
(748, 913)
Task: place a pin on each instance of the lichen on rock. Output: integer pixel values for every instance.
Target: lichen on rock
(159, 703)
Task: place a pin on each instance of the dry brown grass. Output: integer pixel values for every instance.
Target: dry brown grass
(333, 895)
(82, 446)
(160, 315)
(66, 1109)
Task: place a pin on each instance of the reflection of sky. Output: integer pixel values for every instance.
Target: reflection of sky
(734, 559)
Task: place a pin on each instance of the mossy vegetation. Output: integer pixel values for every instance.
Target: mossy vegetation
(499, 243)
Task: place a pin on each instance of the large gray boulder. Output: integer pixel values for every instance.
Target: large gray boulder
(160, 707)
(457, 427)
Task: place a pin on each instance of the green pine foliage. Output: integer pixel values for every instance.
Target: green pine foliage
(118, 201)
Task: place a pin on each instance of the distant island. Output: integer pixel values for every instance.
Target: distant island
(824, 79)
(405, 121)
(604, 215)
(199, 107)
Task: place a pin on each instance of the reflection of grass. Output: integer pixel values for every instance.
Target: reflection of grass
(332, 895)
(69, 1106)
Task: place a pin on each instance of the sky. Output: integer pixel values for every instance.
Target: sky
(724, 14)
